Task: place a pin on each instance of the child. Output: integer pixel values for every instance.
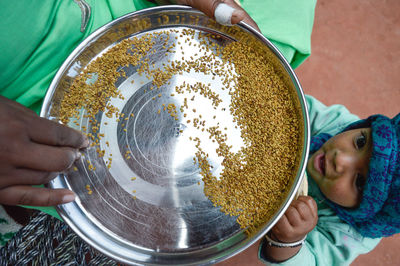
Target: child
(353, 174)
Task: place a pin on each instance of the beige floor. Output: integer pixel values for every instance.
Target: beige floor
(355, 61)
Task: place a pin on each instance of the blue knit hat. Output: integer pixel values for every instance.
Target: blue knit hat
(379, 212)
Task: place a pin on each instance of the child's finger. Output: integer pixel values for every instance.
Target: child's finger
(303, 209)
(293, 216)
(34, 196)
(283, 226)
(285, 232)
(311, 204)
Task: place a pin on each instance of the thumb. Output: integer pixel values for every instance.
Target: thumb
(206, 6)
(35, 196)
(226, 12)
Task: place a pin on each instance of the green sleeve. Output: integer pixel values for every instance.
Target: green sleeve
(328, 119)
(327, 247)
(287, 23)
(37, 36)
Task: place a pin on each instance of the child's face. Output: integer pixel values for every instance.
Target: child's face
(340, 166)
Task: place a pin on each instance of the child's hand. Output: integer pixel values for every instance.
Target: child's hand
(33, 151)
(300, 218)
(209, 6)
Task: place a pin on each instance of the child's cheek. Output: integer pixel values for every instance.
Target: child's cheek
(339, 192)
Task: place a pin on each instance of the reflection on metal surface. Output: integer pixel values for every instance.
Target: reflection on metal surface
(149, 207)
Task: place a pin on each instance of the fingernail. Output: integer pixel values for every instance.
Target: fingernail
(68, 198)
(236, 17)
(77, 155)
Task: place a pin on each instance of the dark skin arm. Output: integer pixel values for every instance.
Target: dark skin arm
(299, 219)
(33, 150)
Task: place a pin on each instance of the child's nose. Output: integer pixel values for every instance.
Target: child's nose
(343, 162)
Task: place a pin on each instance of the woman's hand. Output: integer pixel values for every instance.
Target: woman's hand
(33, 150)
(208, 7)
(299, 219)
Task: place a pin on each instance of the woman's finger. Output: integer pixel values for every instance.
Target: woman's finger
(44, 158)
(13, 108)
(48, 132)
(35, 196)
(206, 6)
(25, 177)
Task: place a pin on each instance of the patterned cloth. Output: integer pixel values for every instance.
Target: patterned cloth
(45, 240)
(8, 227)
(379, 212)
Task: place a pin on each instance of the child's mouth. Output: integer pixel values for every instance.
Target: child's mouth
(319, 163)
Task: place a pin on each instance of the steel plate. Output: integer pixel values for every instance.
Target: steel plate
(163, 216)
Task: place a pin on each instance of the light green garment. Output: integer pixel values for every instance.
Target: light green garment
(333, 241)
(287, 23)
(36, 36)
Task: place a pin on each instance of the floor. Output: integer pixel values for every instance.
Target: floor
(355, 61)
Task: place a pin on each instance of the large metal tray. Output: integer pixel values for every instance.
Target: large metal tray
(168, 220)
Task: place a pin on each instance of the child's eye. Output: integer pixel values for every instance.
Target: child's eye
(361, 140)
(360, 182)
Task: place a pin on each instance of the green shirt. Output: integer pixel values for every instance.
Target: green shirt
(36, 36)
(333, 241)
